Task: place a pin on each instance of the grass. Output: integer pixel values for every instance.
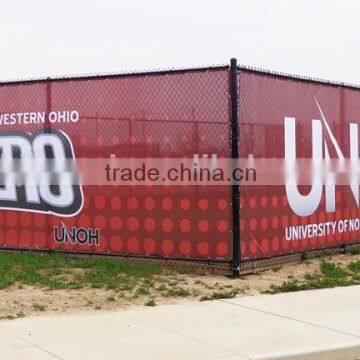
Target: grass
(126, 280)
(142, 283)
(143, 291)
(178, 292)
(39, 307)
(161, 287)
(354, 267)
(354, 251)
(60, 271)
(18, 315)
(330, 275)
(150, 302)
(220, 295)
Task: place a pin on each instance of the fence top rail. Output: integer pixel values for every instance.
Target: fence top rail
(104, 76)
(170, 71)
(301, 78)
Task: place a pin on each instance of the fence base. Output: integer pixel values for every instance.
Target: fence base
(252, 266)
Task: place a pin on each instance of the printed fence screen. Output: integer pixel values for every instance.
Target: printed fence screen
(283, 117)
(165, 115)
(184, 114)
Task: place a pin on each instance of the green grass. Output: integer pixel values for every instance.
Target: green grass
(220, 295)
(39, 307)
(354, 267)
(143, 291)
(150, 302)
(330, 275)
(161, 287)
(60, 271)
(131, 281)
(332, 270)
(18, 315)
(354, 251)
(178, 292)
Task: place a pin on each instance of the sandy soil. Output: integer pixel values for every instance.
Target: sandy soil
(19, 300)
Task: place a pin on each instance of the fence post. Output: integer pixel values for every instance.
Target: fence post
(235, 189)
(48, 102)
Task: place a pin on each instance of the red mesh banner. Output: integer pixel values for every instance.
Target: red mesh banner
(178, 114)
(274, 219)
(163, 115)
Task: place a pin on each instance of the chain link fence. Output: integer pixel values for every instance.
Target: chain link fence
(182, 114)
(266, 101)
(173, 114)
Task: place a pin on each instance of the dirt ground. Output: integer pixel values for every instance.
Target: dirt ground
(19, 300)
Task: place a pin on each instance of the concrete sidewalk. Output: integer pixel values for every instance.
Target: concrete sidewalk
(323, 324)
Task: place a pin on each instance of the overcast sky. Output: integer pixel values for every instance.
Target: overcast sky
(310, 37)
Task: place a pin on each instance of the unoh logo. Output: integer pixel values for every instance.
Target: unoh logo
(305, 205)
(65, 199)
(74, 235)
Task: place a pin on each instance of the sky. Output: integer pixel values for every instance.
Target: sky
(42, 38)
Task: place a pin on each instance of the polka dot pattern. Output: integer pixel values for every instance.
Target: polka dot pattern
(144, 220)
(183, 222)
(154, 225)
(265, 216)
(176, 226)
